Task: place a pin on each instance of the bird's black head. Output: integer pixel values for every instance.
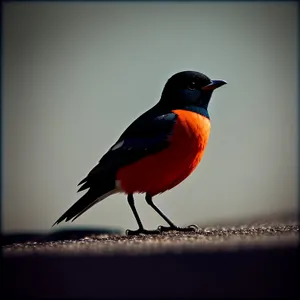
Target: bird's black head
(189, 89)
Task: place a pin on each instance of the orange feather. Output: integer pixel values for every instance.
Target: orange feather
(162, 171)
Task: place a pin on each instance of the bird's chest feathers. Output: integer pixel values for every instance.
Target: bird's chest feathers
(191, 132)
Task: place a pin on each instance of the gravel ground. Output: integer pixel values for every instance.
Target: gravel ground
(205, 239)
(251, 261)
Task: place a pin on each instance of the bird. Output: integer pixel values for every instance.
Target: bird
(156, 152)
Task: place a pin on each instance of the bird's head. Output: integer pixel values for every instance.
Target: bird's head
(188, 88)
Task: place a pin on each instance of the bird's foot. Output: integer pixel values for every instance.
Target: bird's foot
(141, 231)
(191, 228)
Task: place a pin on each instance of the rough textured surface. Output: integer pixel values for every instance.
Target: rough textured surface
(224, 238)
(243, 261)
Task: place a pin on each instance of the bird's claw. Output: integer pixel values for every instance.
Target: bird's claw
(141, 231)
(193, 227)
(189, 228)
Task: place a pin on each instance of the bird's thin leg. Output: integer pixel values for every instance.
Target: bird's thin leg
(172, 225)
(141, 229)
(150, 202)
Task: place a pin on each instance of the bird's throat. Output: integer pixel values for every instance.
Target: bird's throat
(197, 109)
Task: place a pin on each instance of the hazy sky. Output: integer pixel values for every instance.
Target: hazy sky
(75, 75)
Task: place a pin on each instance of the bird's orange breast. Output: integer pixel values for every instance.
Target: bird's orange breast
(159, 172)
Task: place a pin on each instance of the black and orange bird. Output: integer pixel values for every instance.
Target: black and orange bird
(156, 152)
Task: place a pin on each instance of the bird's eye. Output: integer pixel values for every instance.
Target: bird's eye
(192, 85)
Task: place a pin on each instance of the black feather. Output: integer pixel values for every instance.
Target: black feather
(84, 187)
(82, 181)
(76, 208)
(87, 200)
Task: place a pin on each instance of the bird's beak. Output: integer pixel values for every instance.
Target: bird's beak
(213, 85)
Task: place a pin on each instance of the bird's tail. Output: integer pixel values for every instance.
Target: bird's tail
(85, 202)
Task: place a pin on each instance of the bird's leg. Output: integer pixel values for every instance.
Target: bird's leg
(141, 229)
(172, 225)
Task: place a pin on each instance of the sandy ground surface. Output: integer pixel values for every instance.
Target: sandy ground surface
(216, 238)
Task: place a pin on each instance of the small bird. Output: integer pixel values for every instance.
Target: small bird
(156, 152)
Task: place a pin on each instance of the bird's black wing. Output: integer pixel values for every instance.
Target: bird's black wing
(147, 135)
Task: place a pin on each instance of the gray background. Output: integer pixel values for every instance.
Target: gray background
(77, 74)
